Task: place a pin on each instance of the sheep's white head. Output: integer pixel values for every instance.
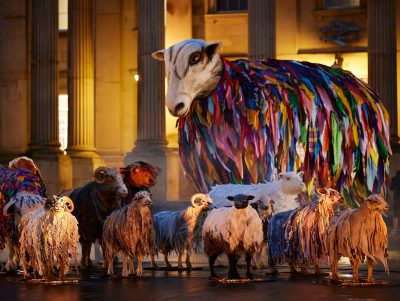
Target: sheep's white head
(204, 201)
(292, 182)
(330, 195)
(193, 69)
(143, 198)
(58, 205)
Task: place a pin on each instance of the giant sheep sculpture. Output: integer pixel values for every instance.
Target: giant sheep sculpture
(175, 230)
(239, 121)
(138, 176)
(283, 192)
(358, 234)
(235, 231)
(93, 203)
(298, 236)
(19, 205)
(49, 239)
(130, 232)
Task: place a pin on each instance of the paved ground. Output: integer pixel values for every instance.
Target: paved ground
(174, 285)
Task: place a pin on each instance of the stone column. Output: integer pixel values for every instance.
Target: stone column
(44, 146)
(382, 57)
(81, 146)
(151, 144)
(262, 42)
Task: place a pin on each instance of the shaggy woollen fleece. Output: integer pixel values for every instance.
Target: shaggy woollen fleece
(286, 115)
(239, 228)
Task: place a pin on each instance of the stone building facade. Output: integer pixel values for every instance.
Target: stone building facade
(116, 112)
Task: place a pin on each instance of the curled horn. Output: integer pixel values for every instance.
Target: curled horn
(7, 206)
(69, 203)
(99, 175)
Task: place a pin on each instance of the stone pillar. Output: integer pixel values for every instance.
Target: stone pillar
(261, 18)
(44, 146)
(382, 57)
(81, 146)
(151, 144)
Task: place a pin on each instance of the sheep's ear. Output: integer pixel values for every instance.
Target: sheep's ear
(231, 198)
(157, 171)
(280, 175)
(123, 171)
(47, 204)
(254, 205)
(300, 173)
(382, 194)
(322, 191)
(158, 55)
(212, 48)
(271, 202)
(249, 197)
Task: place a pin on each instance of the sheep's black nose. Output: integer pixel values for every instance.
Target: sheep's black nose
(179, 107)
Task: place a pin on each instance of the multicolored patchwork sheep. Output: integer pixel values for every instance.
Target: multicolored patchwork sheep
(176, 229)
(130, 232)
(359, 234)
(235, 231)
(49, 239)
(298, 236)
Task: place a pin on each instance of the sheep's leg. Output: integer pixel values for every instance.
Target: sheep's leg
(211, 261)
(248, 265)
(370, 267)
(153, 262)
(132, 265)
(356, 265)
(86, 247)
(139, 270)
(167, 264)
(292, 268)
(125, 271)
(108, 257)
(188, 263)
(334, 270)
(317, 270)
(180, 265)
(304, 269)
(233, 272)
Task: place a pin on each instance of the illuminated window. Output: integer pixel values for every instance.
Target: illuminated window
(227, 6)
(62, 14)
(63, 120)
(340, 4)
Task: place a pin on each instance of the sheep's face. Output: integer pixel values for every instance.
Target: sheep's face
(140, 174)
(330, 195)
(193, 68)
(240, 201)
(203, 201)
(376, 202)
(144, 198)
(110, 181)
(58, 205)
(292, 183)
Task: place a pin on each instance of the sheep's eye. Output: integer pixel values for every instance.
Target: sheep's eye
(287, 178)
(108, 178)
(194, 58)
(332, 193)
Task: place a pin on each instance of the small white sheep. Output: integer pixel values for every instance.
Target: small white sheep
(235, 231)
(49, 238)
(358, 234)
(129, 231)
(176, 230)
(282, 191)
(19, 205)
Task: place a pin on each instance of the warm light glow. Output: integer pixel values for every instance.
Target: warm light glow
(136, 77)
(62, 14)
(63, 120)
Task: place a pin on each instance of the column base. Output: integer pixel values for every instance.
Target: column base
(83, 165)
(56, 170)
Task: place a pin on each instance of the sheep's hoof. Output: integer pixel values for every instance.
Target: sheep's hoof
(235, 276)
(214, 278)
(249, 276)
